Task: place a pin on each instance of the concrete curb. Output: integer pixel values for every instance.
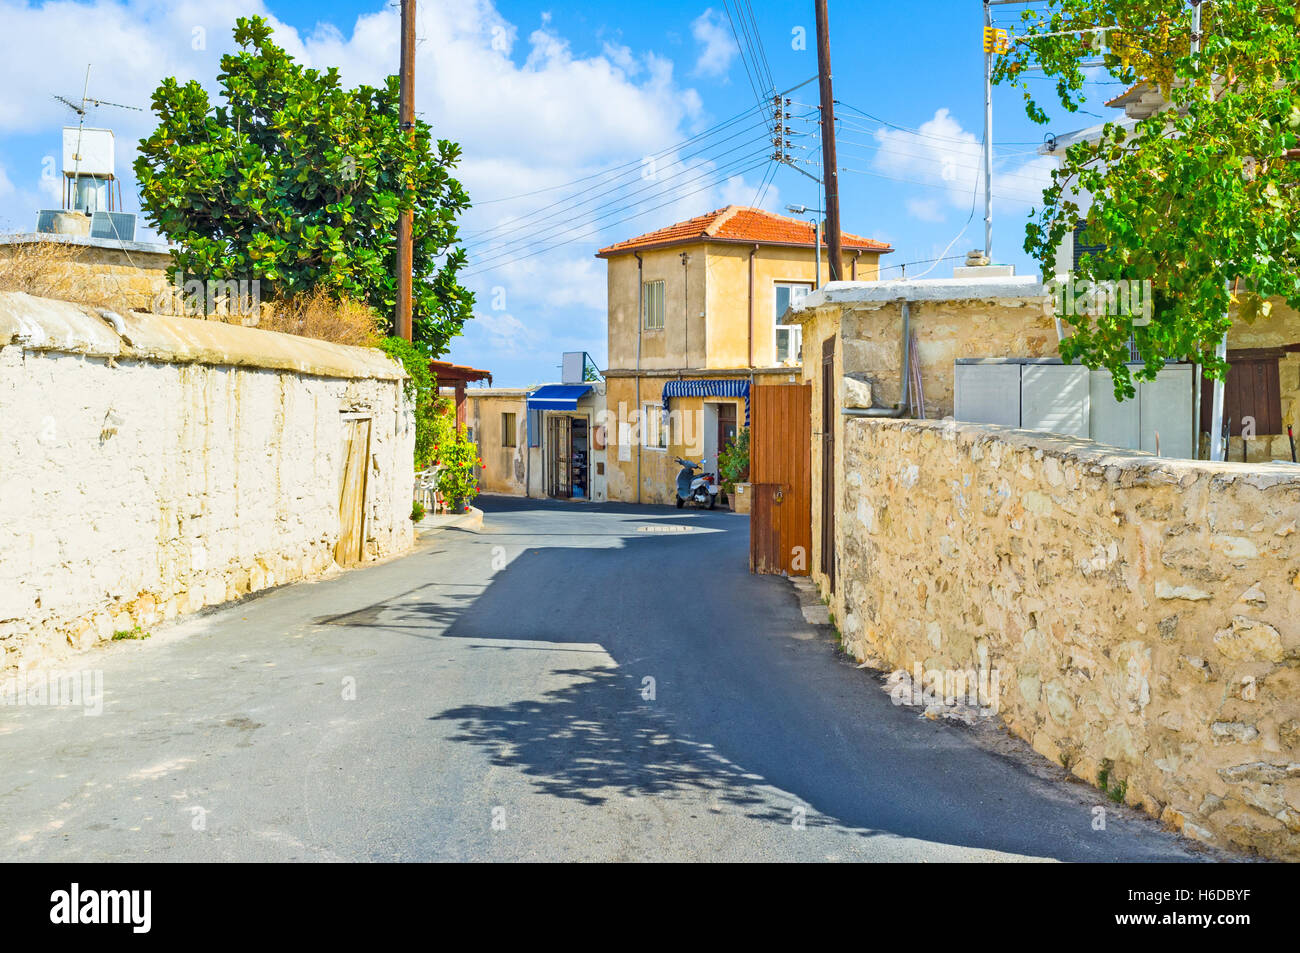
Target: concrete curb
(437, 522)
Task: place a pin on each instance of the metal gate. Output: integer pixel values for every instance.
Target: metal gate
(559, 475)
(828, 461)
(780, 521)
(352, 491)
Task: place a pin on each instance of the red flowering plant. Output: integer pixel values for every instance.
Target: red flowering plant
(455, 457)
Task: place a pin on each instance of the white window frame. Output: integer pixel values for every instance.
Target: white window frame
(653, 412)
(796, 330)
(653, 299)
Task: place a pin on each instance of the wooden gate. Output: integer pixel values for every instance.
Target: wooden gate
(828, 461)
(350, 548)
(780, 521)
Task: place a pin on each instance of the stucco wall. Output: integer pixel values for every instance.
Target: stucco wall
(715, 283)
(176, 464)
(504, 468)
(1141, 613)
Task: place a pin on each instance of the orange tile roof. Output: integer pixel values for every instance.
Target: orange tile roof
(742, 225)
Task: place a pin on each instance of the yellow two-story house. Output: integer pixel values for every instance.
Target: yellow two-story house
(695, 315)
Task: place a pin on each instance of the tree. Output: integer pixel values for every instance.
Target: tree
(1197, 199)
(297, 182)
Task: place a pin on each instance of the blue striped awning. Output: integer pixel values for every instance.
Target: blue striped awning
(732, 387)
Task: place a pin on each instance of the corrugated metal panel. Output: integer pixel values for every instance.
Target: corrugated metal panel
(1054, 398)
(987, 393)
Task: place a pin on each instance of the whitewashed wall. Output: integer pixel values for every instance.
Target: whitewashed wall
(174, 464)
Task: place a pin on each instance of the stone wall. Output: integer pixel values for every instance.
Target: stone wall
(165, 465)
(1142, 614)
(123, 274)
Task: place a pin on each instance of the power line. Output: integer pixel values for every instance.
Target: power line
(623, 165)
(503, 243)
(566, 205)
(485, 266)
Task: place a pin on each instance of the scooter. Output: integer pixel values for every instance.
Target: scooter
(702, 490)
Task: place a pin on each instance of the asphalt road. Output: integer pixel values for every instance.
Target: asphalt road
(486, 698)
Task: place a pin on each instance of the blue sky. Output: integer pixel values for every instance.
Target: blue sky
(542, 94)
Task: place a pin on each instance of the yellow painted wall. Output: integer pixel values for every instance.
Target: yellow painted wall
(503, 469)
(715, 281)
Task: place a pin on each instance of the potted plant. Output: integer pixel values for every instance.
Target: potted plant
(733, 468)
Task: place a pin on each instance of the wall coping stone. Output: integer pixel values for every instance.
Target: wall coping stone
(109, 244)
(42, 324)
(1146, 467)
(1017, 287)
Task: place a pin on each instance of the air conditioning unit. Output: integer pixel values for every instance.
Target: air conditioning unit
(117, 226)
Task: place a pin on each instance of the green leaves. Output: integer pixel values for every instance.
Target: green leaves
(1197, 198)
(298, 182)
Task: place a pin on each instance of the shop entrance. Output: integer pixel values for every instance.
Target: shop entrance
(568, 453)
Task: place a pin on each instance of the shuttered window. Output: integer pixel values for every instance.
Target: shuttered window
(652, 306)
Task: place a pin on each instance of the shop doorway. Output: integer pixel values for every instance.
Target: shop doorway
(567, 457)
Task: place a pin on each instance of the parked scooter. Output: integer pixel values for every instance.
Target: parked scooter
(702, 490)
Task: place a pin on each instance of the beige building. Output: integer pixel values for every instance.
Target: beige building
(696, 319)
(544, 442)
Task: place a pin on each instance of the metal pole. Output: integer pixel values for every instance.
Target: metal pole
(830, 165)
(988, 140)
(1218, 444)
(817, 228)
(406, 105)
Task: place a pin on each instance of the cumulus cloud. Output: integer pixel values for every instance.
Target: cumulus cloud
(942, 153)
(716, 42)
(927, 210)
(529, 112)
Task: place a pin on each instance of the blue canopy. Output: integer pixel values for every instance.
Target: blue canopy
(557, 396)
(732, 387)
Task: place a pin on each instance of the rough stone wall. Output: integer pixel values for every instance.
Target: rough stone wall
(129, 279)
(152, 472)
(1143, 614)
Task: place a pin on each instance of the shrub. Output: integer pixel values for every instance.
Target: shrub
(733, 462)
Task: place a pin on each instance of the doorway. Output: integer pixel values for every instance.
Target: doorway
(568, 454)
(350, 548)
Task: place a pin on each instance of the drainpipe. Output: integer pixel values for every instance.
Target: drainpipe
(640, 322)
(752, 252)
(686, 306)
(903, 399)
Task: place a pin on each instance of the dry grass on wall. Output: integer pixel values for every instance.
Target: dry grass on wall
(43, 269)
(320, 315)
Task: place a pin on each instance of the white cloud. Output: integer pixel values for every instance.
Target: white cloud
(739, 190)
(716, 42)
(941, 153)
(927, 210)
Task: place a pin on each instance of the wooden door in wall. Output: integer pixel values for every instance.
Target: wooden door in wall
(350, 547)
(828, 462)
(780, 471)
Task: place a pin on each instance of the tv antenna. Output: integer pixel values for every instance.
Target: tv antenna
(87, 102)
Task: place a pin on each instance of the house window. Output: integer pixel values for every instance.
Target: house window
(789, 337)
(652, 427)
(508, 438)
(652, 305)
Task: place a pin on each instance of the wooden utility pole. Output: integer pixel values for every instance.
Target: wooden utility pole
(830, 165)
(406, 106)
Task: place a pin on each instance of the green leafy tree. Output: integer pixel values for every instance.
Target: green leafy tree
(298, 182)
(1199, 199)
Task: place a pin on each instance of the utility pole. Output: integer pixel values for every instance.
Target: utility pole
(830, 165)
(406, 107)
(988, 134)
